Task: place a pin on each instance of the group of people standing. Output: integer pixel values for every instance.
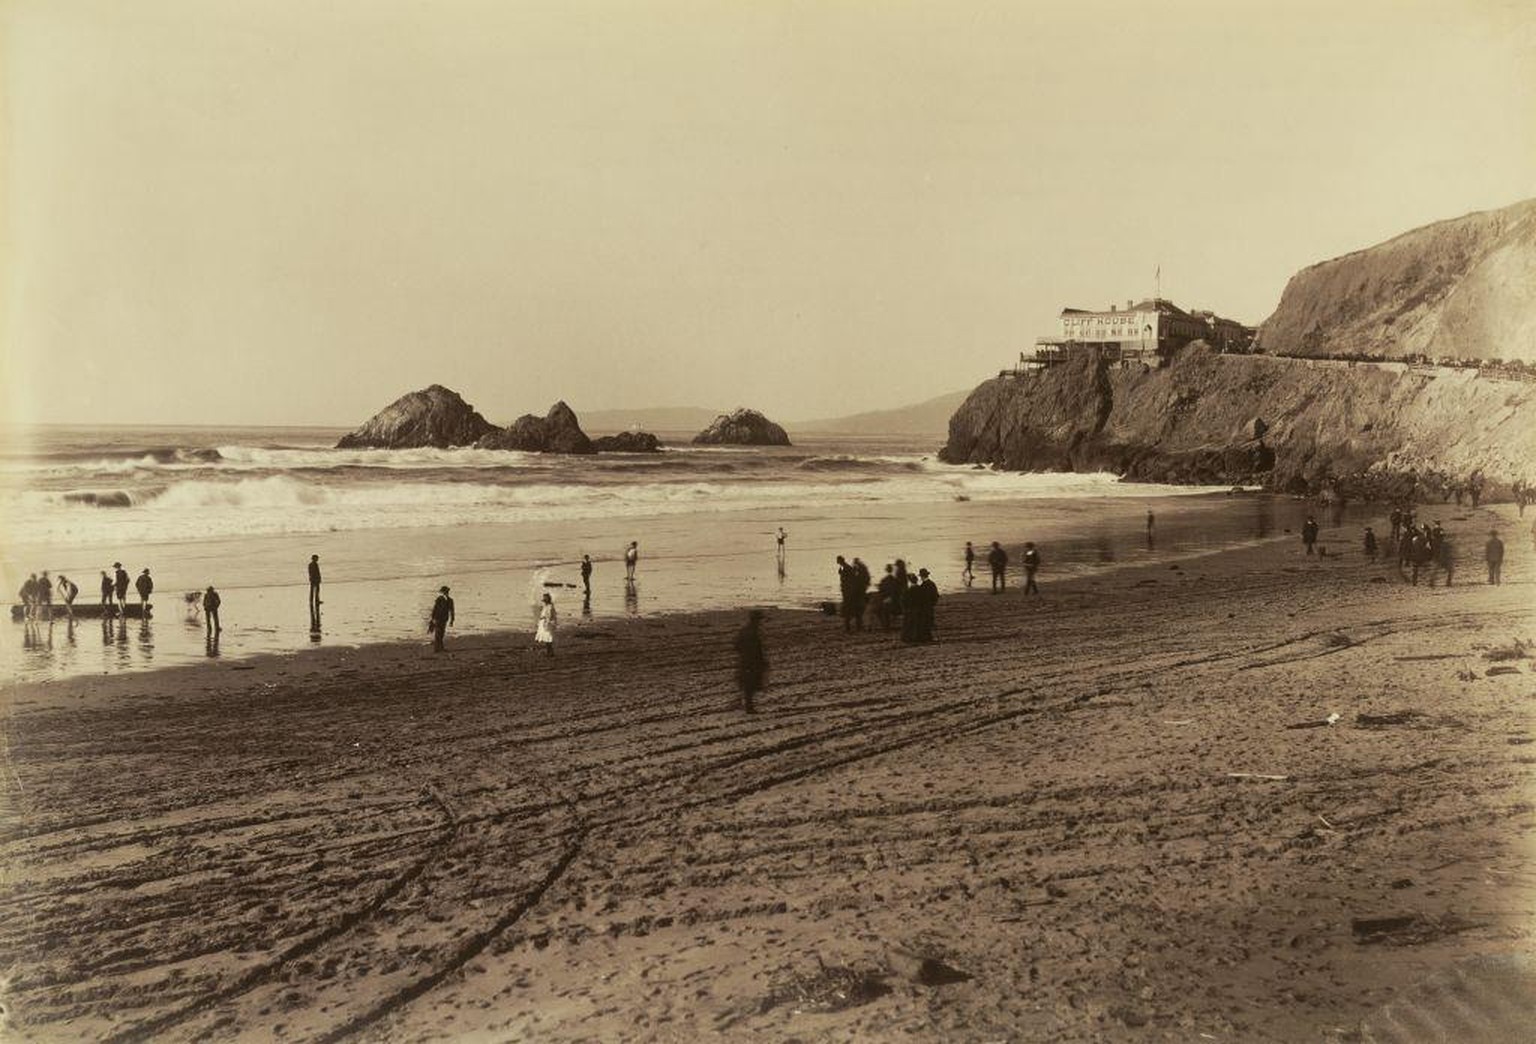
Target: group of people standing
(912, 598)
(997, 562)
(1421, 548)
(38, 591)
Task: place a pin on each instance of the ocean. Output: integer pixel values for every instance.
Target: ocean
(244, 508)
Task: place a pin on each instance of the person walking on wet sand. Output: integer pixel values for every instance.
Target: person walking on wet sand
(1031, 566)
(120, 588)
(1309, 534)
(997, 558)
(969, 574)
(442, 616)
(1493, 554)
(68, 589)
(586, 576)
(1151, 520)
(314, 586)
(548, 621)
(1370, 545)
(751, 661)
(211, 601)
(779, 541)
(146, 587)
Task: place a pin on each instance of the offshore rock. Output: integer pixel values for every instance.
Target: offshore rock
(628, 442)
(1361, 430)
(1458, 289)
(742, 428)
(434, 416)
(556, 432)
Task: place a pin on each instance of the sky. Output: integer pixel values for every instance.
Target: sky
(239, 212)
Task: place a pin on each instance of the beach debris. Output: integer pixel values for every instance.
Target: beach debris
(1518, 650)
(925, 970)
(1256, 775)
(1503, 669)
(1467, 676)
(829, 988)
(1377, 721)
(1407, 929)
(1316, 723)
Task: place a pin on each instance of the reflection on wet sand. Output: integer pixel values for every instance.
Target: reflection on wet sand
(631, 598)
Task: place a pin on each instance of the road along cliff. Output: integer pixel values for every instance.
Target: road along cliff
(1295, 425)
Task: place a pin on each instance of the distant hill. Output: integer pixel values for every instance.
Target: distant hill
(653, 418)
(930, 417)
(1464, 289)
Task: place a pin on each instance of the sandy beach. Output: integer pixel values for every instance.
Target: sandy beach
(1085, 816)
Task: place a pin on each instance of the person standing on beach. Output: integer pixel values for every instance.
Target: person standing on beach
(548, 621)
(1370, 545)
(68, 589)
(586, 576)
(847, 584)
(631, 558)
(28, 595)
(969, 573)
(861, 579)
(997, 558)
(211, 602)
(1444, 558)
(779, 540)
(442, 616)
(1493, 554)
(120, 588)
(1031, 566)
(929, 603)
(1309, 533)
(899, 605)
(314, 586)
(751, 660)
(912, 611)
(43, 596)
(146, 587)
(106, 589)
(1151, 520)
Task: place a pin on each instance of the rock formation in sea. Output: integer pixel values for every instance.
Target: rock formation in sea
(628, 442)
(1296, 425)
(744, 427)
(556, 432)
(435, 416)
(1463, 289)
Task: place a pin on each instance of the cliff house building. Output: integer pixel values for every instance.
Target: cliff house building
(1141, 332)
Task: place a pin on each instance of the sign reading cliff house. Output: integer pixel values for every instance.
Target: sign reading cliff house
(1144, 332)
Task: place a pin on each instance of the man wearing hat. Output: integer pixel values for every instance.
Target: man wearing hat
(120, 588)
(442, 616)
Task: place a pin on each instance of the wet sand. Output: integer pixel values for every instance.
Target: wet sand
(1083, 816)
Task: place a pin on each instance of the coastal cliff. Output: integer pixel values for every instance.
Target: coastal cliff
(1288, 424)
(1458, 289)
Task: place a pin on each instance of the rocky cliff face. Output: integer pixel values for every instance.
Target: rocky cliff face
(1289, 424)
(742, 428)
(1463, 289)
(556, 432)
(434, 416)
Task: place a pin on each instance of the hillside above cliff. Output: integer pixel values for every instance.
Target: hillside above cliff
(1289, 424)
(1463, 289)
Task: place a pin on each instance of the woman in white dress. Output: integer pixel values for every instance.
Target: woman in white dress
(545, 635)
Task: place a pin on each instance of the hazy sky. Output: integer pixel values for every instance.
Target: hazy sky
(272, 212)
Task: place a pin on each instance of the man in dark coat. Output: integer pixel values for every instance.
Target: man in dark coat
(146, 587)
(887, 598)
(751, 660)
(442, 616)
(1309, 533)
(1493, 554)
(852, 595)
(211, 602)
(997, 558)
(929, 603)
(586, 576)
(314, 585)
(1370, 544)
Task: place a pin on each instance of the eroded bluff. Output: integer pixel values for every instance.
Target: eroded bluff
(1287, 424)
